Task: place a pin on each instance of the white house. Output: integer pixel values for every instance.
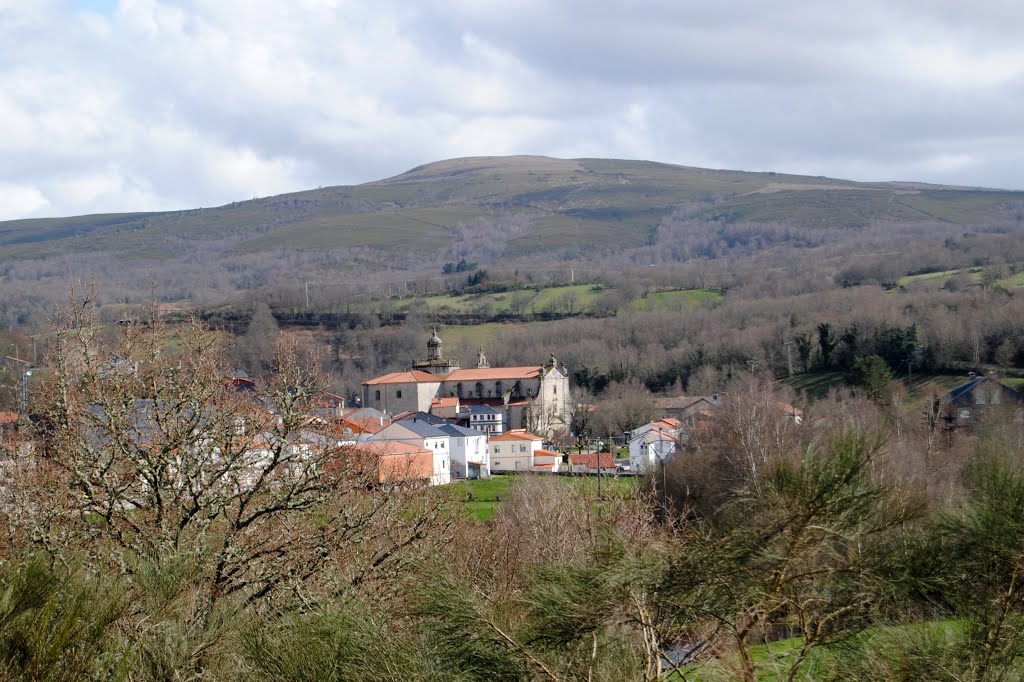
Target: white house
(469, 453)
(653, 443)
(484, 418)
(513, 451)
(422, 434)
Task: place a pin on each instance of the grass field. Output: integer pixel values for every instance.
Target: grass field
(676, 300)
(572, 298)
(937, 279)
(775, 659)
(817, 385)
(576, 298)
(485, 496)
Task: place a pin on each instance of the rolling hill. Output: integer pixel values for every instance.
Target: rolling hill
(601, 203)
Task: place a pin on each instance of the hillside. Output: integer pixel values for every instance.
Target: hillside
(604, 203)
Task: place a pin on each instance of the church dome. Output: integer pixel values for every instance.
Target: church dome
(435, 340)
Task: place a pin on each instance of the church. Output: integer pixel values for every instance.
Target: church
(531, 398)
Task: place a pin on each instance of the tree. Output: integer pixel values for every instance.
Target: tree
(804, 349)
(623, 407)
(826, 343)
(145, 457)
(810, 549)
(871, 373)
(255, 348)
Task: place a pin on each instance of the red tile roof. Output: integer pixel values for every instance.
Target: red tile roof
(363, 424)
(444, 402)
(495, 373)
(410, 377)
(789, 409)
(590, 460)
(516, 434)
(545, 453)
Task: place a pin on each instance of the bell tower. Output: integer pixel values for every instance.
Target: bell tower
(435, 362)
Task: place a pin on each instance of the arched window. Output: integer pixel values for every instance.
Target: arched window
(497, 388)
(458, 389)
(479, 390)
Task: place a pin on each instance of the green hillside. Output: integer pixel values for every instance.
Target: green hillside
(602, 203)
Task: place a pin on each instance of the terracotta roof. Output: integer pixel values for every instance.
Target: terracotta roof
(545, 453)
(495, 373)
(789, 409)
(444, 402)
(390, 447)
(590, 460)
(410, 377)
(670, 422)
(516, 434)
(362, 424)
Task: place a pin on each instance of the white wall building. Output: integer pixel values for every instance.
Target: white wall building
(470, 457)
(513, 451)
(422, 434)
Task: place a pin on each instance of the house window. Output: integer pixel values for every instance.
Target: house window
(479, 390)
(377, 395)
(554, 390)
(398, 394)
(497, 388)
(965, 413)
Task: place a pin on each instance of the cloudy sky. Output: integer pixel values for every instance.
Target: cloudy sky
(117, 105)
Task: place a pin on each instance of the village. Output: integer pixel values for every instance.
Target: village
(437, 422)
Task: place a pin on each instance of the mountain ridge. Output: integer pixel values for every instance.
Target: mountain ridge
(604, 203)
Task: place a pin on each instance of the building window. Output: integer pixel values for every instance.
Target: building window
(377, 395)
(398, 394)
(479, 390)
(497, 449)
(554, 390)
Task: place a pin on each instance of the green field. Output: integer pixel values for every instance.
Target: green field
(577, 298)
(938, 279)
(484, 496)
(676, 300)
(816, 385)
(569, 300)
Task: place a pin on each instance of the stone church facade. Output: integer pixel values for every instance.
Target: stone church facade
(532, 397)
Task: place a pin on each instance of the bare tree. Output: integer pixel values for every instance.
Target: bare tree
(146, 454)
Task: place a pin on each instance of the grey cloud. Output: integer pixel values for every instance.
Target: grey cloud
(201, 103)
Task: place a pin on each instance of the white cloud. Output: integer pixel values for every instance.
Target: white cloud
(152, 104)
(17, 201)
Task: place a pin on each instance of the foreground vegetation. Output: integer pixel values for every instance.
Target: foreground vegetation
(157, 527)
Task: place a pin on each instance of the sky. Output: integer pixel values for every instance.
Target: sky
(145, 105)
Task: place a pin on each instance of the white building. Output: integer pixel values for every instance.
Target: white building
(470, 457)
(513, 451)
(484, 418)
(652, 444)
(422, 434)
